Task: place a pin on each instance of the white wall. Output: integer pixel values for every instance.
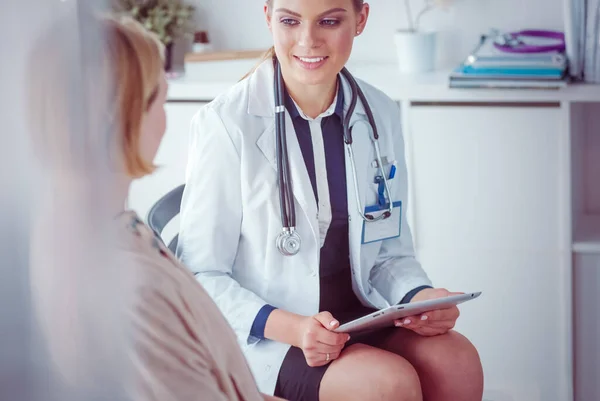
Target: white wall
(239, 24)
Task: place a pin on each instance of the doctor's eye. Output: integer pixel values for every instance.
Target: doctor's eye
(289, 21)
(330, 22)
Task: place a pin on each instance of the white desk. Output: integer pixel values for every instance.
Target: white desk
(204, 81)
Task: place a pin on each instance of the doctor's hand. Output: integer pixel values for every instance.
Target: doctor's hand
(318, 342)
(435, 322)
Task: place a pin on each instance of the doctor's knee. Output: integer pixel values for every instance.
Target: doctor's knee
(399, 383)
(394, 379)
(367, 373)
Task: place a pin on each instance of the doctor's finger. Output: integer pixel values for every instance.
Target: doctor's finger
(414, 325)
(331, 338)
(428, 331)
(443, 324)
(327, 320)
(326, 348)
(446, 314)
(332, 356)
(407, 321)
(442, 314)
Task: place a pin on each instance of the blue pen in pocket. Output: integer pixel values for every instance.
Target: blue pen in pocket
(381, 185)
(380, 188)
(381, 193)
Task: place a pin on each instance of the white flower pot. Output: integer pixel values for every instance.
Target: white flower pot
(416, 51)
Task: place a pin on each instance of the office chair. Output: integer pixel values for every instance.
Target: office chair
(163, 211)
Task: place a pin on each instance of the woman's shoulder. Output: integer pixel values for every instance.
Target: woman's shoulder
(140, 251)
(156, 275)
(175, 320)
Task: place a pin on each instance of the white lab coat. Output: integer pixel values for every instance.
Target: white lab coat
(230, 215)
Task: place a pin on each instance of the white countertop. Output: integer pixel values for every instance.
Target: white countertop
(203, 81)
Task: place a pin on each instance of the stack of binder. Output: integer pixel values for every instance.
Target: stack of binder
(489, 67)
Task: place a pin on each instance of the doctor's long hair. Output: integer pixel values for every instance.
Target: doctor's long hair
(269, 54)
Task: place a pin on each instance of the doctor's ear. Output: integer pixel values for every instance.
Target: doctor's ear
(361, 18)
(268, 16)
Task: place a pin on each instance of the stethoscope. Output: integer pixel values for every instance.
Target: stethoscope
(288, 241)
(513, 42)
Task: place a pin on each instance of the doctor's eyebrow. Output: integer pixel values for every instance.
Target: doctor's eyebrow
(295, 14)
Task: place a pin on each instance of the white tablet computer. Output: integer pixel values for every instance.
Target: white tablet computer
(386, 317)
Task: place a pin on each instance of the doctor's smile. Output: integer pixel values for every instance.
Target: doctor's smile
(321, 33)
(311, 63)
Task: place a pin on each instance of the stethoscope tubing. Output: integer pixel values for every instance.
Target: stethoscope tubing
(287, 206)
(375, 139)
(288, 210)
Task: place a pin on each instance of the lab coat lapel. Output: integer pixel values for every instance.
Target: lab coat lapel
(261, 103)
(302, 187)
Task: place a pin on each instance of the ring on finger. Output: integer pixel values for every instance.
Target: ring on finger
(327, 357)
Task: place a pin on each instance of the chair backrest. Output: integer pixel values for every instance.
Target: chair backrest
(164, 210)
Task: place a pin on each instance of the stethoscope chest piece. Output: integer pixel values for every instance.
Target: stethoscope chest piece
(288, 242)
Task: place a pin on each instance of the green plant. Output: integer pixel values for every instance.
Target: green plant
(169, 19)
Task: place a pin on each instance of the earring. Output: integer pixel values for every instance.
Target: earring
(358, 32)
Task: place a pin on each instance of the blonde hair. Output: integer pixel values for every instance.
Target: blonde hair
(99, 77)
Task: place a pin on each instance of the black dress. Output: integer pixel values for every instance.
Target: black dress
(297, 381)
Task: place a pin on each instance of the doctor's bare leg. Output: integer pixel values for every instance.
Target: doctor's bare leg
(363, 372)
(448, 365)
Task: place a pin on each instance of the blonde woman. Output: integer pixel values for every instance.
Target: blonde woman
(102, 276)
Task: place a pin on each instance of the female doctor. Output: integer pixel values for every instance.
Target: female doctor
(286, 220)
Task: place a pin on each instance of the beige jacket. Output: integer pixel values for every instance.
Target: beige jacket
(185, 349)
(117, 310)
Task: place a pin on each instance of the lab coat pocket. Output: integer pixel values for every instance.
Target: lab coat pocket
(377, 194)
(386, 228)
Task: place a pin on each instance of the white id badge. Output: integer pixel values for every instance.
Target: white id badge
(374, 231)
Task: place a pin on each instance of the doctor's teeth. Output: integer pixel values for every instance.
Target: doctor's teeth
(311, 59)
